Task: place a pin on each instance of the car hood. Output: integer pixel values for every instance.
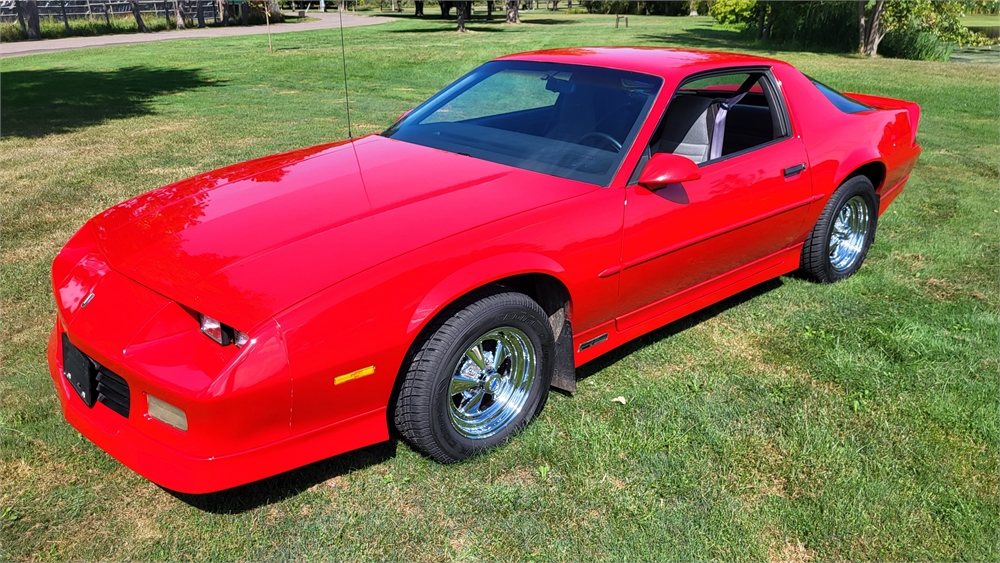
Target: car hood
(247, 241)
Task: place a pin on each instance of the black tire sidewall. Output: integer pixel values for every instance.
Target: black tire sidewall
(531, 323)
(856, 186)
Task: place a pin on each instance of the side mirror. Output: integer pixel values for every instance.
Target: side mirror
(666, 168)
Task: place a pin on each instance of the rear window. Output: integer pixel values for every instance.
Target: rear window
(842, 102)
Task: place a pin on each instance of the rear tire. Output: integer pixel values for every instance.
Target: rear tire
(839, 242)
(478, 379)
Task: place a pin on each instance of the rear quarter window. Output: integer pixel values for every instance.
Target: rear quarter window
(843, 103)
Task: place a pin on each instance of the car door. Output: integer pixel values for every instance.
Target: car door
(748, 205)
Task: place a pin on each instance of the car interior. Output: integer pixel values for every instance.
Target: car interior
(692, 119)
(585, 113)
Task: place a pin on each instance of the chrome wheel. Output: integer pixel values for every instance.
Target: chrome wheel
(847, 238)
(491, 383)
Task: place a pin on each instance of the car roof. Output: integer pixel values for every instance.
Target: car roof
(661, 61)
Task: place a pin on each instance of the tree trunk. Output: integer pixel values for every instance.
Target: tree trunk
(761, 14)
(107, 14)
(462, 13)
(245, 14)
(693, 9)
(418, 8)
(489, 9)
(179, 14)
(201, 13)
(512, 15)
(870, 27)
(134, 6)
(861, 25)
(20, 16)
(446, 6)
(166, 12)
(62, 4)
(769, 25)
(31, 14)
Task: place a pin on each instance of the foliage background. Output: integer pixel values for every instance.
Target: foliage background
(794, 422)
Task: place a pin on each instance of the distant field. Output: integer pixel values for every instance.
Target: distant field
(794, 422)
(981, 20)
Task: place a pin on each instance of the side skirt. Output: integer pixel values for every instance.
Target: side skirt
(667, 310)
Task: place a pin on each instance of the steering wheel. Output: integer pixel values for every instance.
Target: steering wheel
(599, 136)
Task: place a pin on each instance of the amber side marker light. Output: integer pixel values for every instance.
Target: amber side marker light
(353, 375)
(166, 413)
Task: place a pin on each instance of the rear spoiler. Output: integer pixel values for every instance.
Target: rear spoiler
(879, 102)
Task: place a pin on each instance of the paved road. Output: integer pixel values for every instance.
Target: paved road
(326, 21)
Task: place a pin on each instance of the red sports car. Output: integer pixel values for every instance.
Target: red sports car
(441, 276)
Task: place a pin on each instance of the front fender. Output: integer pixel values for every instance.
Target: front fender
(476, 275)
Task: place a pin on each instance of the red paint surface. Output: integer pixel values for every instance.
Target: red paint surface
(333, 258)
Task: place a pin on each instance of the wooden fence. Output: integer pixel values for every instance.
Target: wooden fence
(75, 9)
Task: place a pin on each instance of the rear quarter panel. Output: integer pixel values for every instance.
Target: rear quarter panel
(839, 143)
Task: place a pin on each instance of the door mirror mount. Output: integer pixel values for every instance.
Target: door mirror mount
(667, 168)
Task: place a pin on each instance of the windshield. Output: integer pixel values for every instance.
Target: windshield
(574, 122)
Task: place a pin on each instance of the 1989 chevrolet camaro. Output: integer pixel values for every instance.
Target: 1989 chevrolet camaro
(441, 276)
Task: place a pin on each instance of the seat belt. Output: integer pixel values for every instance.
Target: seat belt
(719, 129)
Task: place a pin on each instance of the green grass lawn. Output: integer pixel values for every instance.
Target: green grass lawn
(981, 20)
(855, 421)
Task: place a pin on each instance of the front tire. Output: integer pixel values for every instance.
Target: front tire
(839, 242)
(478, 379)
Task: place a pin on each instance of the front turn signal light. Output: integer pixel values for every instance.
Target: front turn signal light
(166, 413)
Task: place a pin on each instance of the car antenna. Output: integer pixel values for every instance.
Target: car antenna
(343, 55)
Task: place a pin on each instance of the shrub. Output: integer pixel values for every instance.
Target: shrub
(912, 42)
(736, 14)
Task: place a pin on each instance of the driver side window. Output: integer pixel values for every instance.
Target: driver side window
(716, 116)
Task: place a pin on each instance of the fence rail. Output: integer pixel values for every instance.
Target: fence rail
(77, 9)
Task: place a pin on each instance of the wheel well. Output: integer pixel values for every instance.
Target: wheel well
(554, 298)
(546, 290)
(874, 171)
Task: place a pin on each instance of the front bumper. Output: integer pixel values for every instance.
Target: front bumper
(128, 442)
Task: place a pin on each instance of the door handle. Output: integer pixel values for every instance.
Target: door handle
(793, 170)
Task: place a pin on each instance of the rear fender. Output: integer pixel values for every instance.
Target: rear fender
(857, 159)
(879, 102)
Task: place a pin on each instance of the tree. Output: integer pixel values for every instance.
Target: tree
(870, 28)
(30, 9)
(463, 10)
(418, 8)
(20, 17)
(62, 5)
(512, 15)
(179, 13)
(201, 14)
(265, 6)
(134, 5)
